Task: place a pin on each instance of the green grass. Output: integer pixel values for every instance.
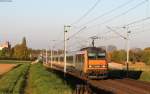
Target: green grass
(145, 76)
(42, 81)
(12, 82)
(13, 62)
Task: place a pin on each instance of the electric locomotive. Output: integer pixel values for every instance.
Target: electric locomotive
(89, 62)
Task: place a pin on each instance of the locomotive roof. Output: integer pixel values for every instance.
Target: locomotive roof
(93, 48)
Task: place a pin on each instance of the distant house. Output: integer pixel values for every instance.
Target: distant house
(5, 45)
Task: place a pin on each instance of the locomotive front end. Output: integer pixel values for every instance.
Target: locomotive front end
(97, 64)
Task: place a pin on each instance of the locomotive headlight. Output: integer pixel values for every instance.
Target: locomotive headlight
(103, 66)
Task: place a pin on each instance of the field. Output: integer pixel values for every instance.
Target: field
(6, 67)
(13, 81)
(42, 81)
(26, 78)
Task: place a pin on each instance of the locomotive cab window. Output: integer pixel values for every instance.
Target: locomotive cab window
(92, 55)
(101, 55)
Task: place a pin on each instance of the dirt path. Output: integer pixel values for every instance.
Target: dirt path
(6, 67)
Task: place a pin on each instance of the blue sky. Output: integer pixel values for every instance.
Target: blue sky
(41, 21)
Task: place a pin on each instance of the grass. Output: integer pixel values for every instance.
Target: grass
(145, 76)
(13, 62)
(42, 81)
(12, 82)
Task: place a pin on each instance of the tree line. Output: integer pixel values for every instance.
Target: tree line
(18, 52)
(135, 55)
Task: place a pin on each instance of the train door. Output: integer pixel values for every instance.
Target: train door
(79, 62)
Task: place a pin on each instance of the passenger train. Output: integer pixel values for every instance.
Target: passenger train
(89, 62)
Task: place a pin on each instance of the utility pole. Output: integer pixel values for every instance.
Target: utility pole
(65, 46)
(127, 45)
(52, 53)
(128, 52)
(46, 56)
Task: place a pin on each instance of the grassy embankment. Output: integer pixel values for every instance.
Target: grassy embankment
(145, 75)
(42, 81)
(13, 62)
(13, 81)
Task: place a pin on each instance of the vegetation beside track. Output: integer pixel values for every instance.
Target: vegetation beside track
(13, 81)
(42, 81)
(145, 76)
(13, 62)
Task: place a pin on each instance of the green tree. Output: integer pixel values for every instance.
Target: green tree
(146, 56)
(119, 56)
(21, 50)
(135, 56)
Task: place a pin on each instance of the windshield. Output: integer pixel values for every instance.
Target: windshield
(96, 55)
(92, 55)
(101, 55)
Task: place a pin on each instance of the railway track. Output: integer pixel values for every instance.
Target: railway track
(122, 86)
(114, 86)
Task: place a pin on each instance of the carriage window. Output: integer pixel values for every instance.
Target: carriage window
(61, 59)
(70, 59)
(80, 58)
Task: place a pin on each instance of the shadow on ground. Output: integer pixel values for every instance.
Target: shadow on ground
(120, 74)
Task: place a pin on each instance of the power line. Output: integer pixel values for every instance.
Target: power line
(82, 17)
(116, 32)
(76, 33)
(115, 17)
(123, 12)
(138, 21)
(108, 12)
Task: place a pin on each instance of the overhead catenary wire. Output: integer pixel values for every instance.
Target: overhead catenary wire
(86, 13)
(76, 33)
(116, 32)
(138, 21)
(116, 17)
(108, 12)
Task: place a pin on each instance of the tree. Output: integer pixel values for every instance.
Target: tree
(21, 50)
(135, 55)
(119, 56)
(148, 48)
(146, 56)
